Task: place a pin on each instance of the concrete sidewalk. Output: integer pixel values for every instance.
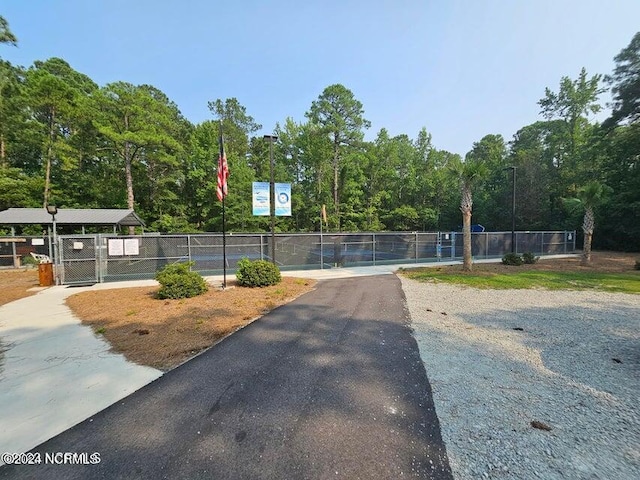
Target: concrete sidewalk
(55, 372)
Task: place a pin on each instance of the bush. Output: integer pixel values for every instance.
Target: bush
(177, 281)
(512, 259)
(637, 267)
(529, 258)
(258, 273)
(29, 260)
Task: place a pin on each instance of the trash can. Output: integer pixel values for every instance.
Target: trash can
(45, 274)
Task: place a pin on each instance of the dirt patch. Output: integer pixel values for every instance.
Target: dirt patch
(164, 333)
(604, 262)
(15, 284)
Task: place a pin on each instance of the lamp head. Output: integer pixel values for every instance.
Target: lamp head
(52, 209)
(271, 138)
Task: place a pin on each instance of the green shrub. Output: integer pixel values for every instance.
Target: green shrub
(177, 281)
(529, 258)
(258, 273)
(29, 260)
(512, 259)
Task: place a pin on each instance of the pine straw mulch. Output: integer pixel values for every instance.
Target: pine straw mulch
(603, 262)
(164, 333)
(17, 284)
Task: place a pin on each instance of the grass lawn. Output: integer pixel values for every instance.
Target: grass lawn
(610, 272)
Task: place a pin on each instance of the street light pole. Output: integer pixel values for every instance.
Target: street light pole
(272, 196)
(513, 208)
(53, 210)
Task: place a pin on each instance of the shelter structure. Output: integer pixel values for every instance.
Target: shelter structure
(13, 248)
(75, 217)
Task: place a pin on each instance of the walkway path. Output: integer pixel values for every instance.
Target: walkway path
(54, 372)
(328, 386)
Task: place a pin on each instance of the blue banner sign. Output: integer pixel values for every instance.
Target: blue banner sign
(261, 199)
(283, 199)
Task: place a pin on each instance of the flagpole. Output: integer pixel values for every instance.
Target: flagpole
(321, 246)
(224, 238)
(224, 251)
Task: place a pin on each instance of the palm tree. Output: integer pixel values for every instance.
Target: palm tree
(588, 197)
(469, 173)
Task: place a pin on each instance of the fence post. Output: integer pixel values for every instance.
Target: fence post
(321, 249)
(542, 246)
(98, 256)
(373, 237)
(189, 247)
(49, 242)
(453, 245)
(261, 252)
(58, 261)
(486, 244)
(417, 238)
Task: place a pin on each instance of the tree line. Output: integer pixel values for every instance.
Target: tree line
(67, 141)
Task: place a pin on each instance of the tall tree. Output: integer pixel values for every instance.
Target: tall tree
(572, 105)
(625, 84)
(137, 124)
(532, 151)
(55, 91)
(6, 35)
(495, 198)
(13, 112)
(339, 116)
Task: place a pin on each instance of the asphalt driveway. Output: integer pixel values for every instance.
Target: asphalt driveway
(328, 386)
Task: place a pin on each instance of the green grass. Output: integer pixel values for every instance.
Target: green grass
(607, 282)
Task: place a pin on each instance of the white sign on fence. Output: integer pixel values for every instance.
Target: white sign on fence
(131, 246)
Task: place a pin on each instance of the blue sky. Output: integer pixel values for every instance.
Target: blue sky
(462, 69)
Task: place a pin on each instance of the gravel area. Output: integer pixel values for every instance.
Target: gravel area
(499, 360)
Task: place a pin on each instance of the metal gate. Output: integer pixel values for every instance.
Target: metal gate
(78, 257)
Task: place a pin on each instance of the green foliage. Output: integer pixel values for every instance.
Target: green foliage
(6, 36)
(625, 83)
(96, 147)
(259, 273)
(608, 282)
(512, 259)
(18, 189)
(28, 260)
(172, 224)
(529, 258)
(177, 281)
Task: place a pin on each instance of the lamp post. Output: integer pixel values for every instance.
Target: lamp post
(53, 211)
(272, 196)
(513, 208)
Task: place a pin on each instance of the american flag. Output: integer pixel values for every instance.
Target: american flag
(223, 173)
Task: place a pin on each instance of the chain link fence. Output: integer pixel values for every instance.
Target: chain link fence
(87, 259)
